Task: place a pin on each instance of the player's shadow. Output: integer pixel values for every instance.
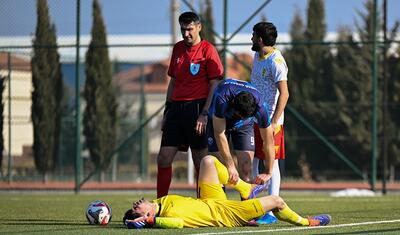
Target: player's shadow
(74, 225)
(34, 222)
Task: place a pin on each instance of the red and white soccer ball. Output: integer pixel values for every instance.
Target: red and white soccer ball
(98, 212)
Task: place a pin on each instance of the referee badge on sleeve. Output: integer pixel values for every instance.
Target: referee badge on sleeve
(194, 68)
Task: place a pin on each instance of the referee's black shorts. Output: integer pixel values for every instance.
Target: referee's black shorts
(179, 127)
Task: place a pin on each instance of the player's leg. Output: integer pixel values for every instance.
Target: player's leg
(198, 143)
(279, 155)
(197, 156)
(258, 151)
(209, 172)
(165, 158)
(213, 172)
(283, 212)
(275, 181)
(209, 183)
(244, 145)
(273, 189)
(169, 147)
(255, 171)
(245, 159)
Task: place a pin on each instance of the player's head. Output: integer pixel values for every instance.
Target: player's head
(135, 220)
(143, 207)
(264, 34)
(130, 215)
(190, 27)
(243, 105)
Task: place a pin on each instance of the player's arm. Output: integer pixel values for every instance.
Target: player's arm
(168, 100)
(267, 136)
(171, 73)
(223, 147)
(167, 222)
(202, 120)
(171, 86)
(215, 72)
(213, 84)
(281, 102)
(154, 222)
(280, 71)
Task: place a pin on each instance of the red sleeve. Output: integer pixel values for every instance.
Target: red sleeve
(214, 65)
(171, 69)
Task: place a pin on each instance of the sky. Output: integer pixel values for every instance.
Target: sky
(18, 17)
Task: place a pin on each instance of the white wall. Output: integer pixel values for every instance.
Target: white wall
(21, 125)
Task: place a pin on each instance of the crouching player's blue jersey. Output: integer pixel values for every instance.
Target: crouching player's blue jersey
(224, 94)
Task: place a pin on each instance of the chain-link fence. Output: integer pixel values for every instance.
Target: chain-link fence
(139, 53)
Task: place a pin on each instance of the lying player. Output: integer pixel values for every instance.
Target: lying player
(213, 209)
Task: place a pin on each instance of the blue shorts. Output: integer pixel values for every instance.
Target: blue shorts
(242, 138)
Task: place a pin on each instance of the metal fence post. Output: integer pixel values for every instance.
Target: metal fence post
(78, 159)
(374, 99)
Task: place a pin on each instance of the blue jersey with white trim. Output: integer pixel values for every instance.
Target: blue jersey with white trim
(224, 94)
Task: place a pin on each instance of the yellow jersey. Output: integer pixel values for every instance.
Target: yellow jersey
(208, 212)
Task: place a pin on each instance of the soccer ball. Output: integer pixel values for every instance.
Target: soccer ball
(98, 212)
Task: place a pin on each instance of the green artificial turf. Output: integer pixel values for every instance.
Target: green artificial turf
(51, 213)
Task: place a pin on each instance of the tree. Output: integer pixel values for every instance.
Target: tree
(353, 94)
(47, 92)
(100, 116)
(296, 59)
(333, 92)
(318, 56)
(362, 131)
(208, 23)
(310, 79)
(297, 76)
(393, 99)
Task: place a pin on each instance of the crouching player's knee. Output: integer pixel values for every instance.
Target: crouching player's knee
(277, 202)
(207, 161)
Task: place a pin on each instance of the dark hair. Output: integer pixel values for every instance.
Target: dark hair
(267, 32)
(189, 17)
(130, 215)
(244, 104)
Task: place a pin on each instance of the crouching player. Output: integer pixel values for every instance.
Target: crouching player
(213, 209)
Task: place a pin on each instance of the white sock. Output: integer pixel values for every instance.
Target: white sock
(275, 181)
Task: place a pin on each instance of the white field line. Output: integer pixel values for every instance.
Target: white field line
(303, 228)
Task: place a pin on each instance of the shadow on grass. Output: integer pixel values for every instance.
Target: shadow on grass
(23, 220)
(57, 225)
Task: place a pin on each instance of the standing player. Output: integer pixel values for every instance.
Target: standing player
(233, 109)
(195, 70)
(269, 76)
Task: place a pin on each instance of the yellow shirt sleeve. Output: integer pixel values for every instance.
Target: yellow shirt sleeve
(167, 222)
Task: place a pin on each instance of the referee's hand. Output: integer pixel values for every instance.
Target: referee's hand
(201, 125)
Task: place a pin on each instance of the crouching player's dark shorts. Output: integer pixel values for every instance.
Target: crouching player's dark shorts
(242, 138)
(179, 127)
